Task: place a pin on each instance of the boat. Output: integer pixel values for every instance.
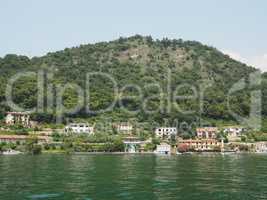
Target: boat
(11, 152)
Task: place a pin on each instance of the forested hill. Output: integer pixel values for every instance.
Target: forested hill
(136, 61)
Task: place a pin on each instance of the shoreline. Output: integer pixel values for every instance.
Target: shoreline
(143, 153)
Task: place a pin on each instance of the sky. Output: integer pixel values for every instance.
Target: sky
(34, 28)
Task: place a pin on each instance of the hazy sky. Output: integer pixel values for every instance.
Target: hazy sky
(35, 27)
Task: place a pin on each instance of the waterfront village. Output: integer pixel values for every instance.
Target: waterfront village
(18, 134)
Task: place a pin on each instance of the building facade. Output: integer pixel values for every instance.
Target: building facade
(165, 132)
(79, 128)
(163, 149)
(234, 131)
(22, 118)
(201, 144)
(132, 144)
(124, 128)
(207, 132)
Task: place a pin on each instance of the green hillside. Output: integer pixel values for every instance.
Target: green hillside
(139, 61)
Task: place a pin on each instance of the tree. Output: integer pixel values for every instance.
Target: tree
(222, 136)
(150, 147)
(72, 65)
(243, 138)
(173, 139)
(32, 146)
(182, 148)
(156, 141)
(37, 149)
(46, 147)
(56, 136)
(118, 145)
(114, 130)
(186, 136)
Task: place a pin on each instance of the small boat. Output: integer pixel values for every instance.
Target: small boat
(11, 152)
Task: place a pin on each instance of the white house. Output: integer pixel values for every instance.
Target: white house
(79, 128)
(165, 132)
(234, 131)
(163, 149)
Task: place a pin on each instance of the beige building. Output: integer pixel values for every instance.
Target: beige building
(207, 132)
(201, 145)
(22, 118)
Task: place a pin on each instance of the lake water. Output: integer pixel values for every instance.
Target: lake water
(141, 177)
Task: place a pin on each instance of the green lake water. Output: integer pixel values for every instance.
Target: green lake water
(141, 177)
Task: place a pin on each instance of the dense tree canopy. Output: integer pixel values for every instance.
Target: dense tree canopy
(156, 67)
